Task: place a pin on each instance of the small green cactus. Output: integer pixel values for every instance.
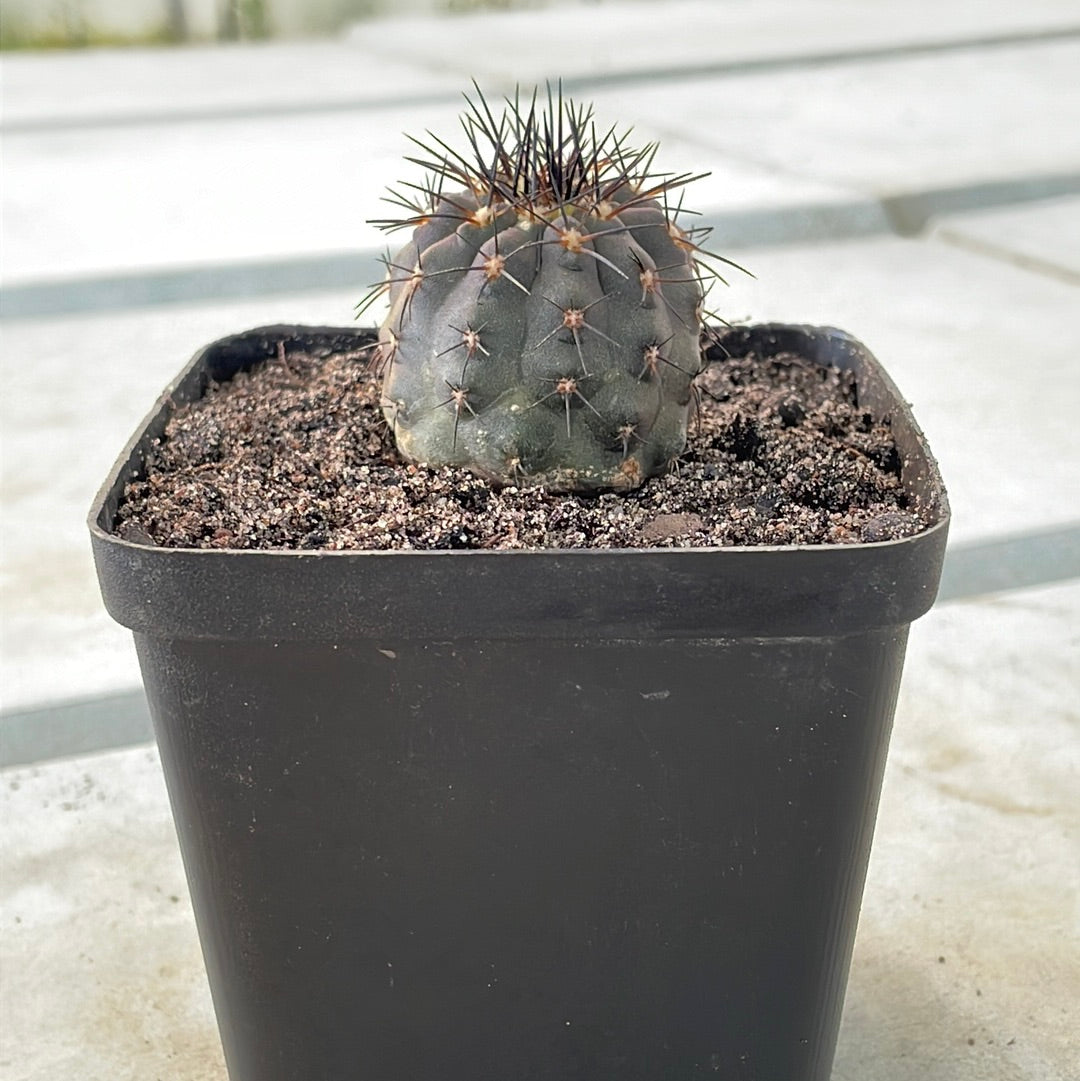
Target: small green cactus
(546, 315)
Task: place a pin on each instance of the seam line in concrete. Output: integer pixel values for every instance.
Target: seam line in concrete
(219, 281)
(1002, 254)
(573, 84)
(1005, 564)
(910, 213)
(111, 722)
(67, 729)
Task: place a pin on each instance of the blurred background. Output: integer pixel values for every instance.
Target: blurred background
(178, 170)
(32, 24)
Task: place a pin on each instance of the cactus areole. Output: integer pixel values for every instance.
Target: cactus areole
(546, 313)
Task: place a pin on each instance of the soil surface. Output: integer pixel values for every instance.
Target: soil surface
(296, 454)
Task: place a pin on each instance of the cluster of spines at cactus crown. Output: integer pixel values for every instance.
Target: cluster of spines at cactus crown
(540, 162)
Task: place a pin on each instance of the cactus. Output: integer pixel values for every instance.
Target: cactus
(545, 317)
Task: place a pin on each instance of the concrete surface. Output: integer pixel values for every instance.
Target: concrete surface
(967, 961)
(910, 178)
(102, 975)
(108, 87)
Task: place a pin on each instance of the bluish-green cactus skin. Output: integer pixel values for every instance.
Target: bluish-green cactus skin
(545, 320)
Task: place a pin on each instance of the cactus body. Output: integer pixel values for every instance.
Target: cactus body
(545, 320)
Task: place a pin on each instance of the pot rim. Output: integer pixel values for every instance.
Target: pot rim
(891, 582)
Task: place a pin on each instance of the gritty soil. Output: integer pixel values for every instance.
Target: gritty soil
(296, 454)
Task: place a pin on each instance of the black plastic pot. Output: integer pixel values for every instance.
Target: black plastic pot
(525, 816)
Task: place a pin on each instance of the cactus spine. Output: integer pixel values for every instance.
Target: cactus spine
(545, 316)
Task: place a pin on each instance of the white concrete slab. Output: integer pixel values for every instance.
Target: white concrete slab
(966, 966)
(1042, 236)
(629, 37)
(967, 963)
(132, 198)
(74, 88)
(888, 127)
(103, 978)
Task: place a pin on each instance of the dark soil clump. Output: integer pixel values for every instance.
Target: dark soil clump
(296, 454)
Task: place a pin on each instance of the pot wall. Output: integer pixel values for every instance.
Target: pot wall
(558, 860)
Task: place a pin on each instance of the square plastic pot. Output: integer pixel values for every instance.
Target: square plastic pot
(525, 816)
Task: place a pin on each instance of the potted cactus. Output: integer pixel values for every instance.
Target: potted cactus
(536, 813)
